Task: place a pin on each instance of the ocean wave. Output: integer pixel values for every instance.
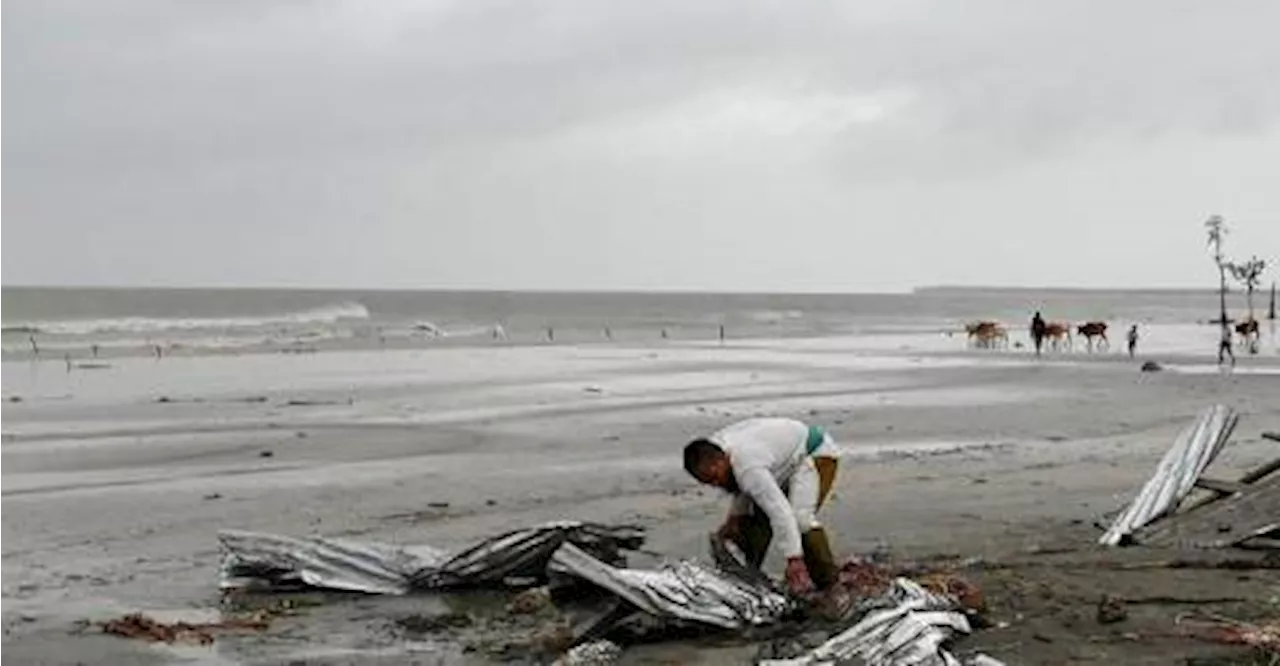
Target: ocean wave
(327, 314)
(429, 329)
(772, 316)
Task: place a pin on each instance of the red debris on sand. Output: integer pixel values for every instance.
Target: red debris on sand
(867, 579)
(141, 627)
(1221, 629)
(952, 585)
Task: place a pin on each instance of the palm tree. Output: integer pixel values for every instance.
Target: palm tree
(1249, 274)
(1216, 228)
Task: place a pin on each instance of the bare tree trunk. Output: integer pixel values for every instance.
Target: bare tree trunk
(1222, 293)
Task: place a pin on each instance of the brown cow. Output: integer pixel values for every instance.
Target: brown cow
(1248, 332)
(987, 334)
(1058, 333)
(1094, 329)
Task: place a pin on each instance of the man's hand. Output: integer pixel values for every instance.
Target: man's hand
(731, 528)
(798, 580)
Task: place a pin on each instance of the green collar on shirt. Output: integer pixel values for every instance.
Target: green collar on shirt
(816, 437)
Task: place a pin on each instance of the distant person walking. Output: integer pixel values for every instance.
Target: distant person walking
(1037, 331)
(35, 348)
(1133, 340)
(1224, 347)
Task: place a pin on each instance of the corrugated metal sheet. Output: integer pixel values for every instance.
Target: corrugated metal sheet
(266, 560)
(908, 630)
(1176, 474)
(684, 590)
(254, 560)
(595, 653)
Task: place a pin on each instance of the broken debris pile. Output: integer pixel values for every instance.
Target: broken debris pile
(1241, 514)
(866, 579)
(897, 622)
(909, 626)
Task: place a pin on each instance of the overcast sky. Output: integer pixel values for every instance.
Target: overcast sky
(713, 144)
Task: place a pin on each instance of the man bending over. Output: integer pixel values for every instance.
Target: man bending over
(780, 472)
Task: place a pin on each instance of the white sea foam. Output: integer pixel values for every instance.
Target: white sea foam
(327, 314)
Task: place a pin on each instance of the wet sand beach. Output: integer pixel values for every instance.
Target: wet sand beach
(115, 480)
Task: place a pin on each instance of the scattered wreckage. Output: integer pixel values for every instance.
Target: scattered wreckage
(903, 624)
(890, 618)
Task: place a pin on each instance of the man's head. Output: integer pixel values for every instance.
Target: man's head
(708, 463)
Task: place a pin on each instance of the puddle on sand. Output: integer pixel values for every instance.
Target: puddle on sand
(1215, 369)
(899, 450)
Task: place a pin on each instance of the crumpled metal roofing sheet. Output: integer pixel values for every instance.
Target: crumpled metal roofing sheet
(683, 590)
(909, 629)
(1176, 474)
(252, 559)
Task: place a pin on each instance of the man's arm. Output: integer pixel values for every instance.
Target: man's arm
(758, 484)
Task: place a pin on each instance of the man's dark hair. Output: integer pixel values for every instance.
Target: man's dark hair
(697, 451)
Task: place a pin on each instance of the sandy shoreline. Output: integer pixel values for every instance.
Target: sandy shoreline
(111, 497)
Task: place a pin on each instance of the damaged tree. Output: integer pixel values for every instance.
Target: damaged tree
(1249, 274)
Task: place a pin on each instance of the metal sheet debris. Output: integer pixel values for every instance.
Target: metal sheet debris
(1176, 474)
(265, 561)
(683, 590)
(907, 624)
(910, 628)
(595, 653)
(1253, 512)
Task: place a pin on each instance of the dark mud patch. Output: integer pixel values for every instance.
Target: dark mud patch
(420, 623)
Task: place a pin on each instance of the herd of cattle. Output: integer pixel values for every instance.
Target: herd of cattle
(1058, 337)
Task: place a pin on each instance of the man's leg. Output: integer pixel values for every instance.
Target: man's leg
(754, 535)
(817, 548)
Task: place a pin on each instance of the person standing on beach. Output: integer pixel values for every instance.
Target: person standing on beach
(1224, 346)
(780, 472)
(1133, 340)
(1037, 331)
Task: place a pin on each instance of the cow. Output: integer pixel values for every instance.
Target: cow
(1094, 329)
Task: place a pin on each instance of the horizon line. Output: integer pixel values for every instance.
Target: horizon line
(633, 291)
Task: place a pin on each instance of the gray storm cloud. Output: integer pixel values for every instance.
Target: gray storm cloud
(712, 145)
